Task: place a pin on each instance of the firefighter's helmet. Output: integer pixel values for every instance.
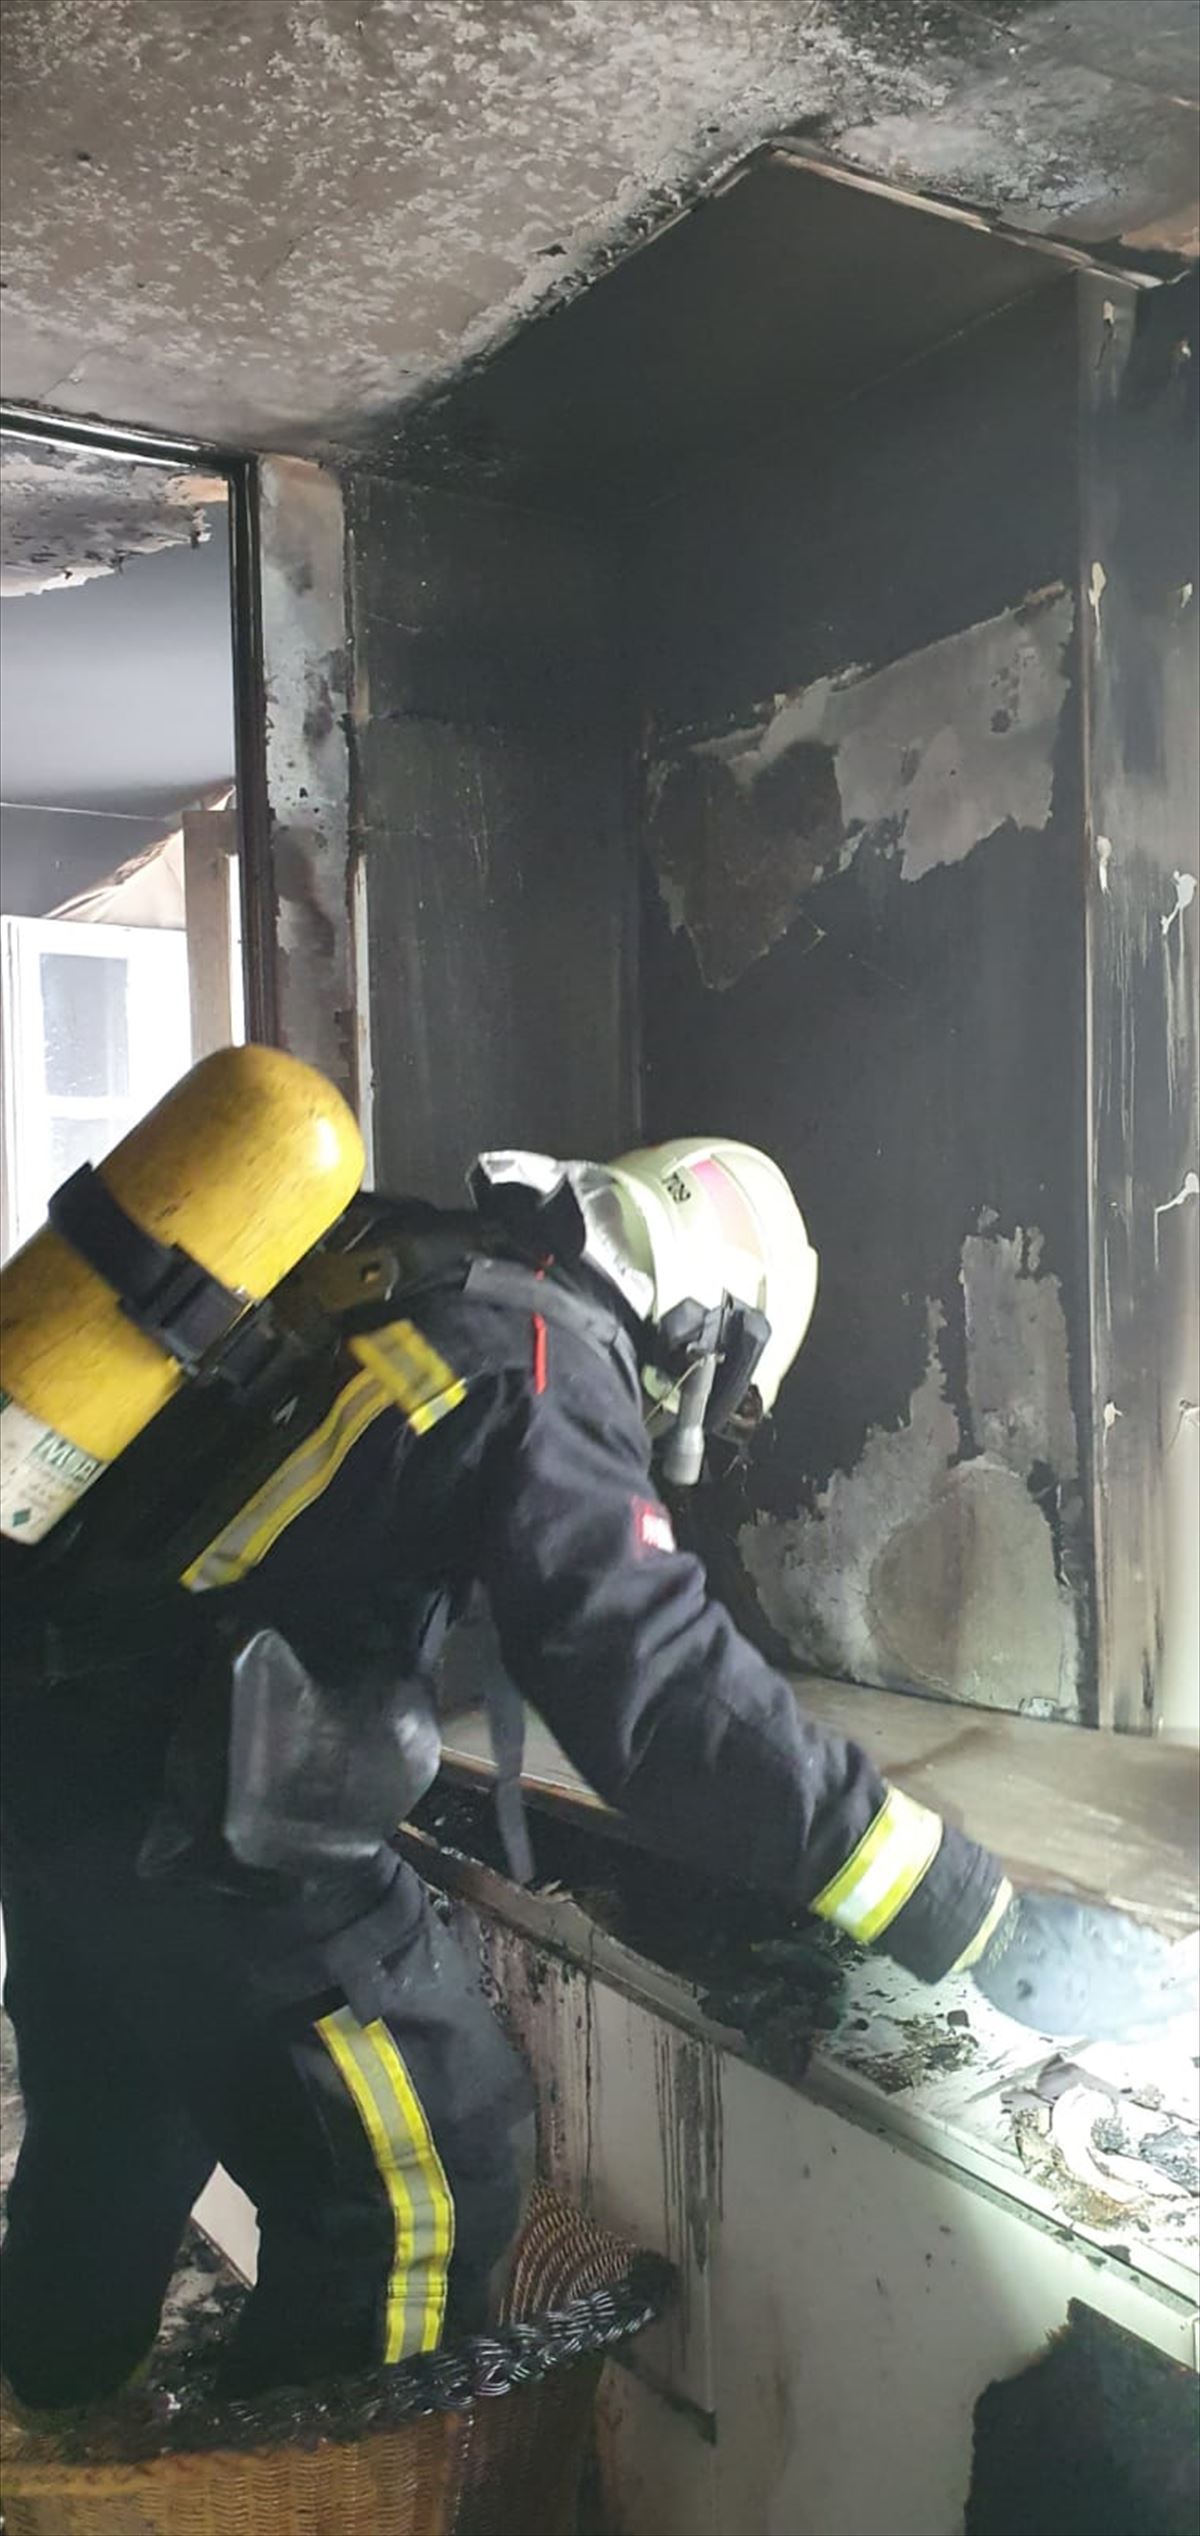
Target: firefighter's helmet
(704, 1241)
(709, 1221)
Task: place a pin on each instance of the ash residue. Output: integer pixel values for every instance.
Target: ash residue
(1088, 2205)
(1175, 2154)
(775, 1976)
(929, 2049)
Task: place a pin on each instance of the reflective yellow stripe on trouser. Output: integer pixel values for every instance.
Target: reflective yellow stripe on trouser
(883, 1873)
(412, 2175)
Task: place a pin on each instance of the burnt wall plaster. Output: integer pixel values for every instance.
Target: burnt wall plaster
(306, 672)
(490, 812)
(1141, 567)
(266, 227)
(862, 645)
(934, 1562)
(928, 755)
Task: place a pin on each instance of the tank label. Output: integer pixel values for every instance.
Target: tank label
(41, 1475)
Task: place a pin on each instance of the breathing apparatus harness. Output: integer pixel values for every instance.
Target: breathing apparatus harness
(261, 1377)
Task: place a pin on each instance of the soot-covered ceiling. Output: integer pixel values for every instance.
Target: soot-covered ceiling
(782, 293)
(261, 226)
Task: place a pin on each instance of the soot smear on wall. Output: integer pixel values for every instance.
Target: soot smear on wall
(877, 973)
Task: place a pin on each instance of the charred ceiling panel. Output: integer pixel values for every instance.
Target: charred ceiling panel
(490, 813)
(864, 950)
(1140, 359)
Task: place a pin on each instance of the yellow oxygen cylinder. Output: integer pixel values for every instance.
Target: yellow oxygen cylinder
(244, 1165)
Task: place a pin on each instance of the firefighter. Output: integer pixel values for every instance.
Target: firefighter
(219, 1707)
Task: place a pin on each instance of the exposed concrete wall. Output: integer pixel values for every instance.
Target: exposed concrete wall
(1141, 574)
(490, 818)
(865, 950)
(263, 225)
(305, 671)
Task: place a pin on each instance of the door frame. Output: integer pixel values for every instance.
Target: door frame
(241, 472)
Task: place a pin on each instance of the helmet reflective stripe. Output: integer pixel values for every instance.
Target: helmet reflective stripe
(732, 1211)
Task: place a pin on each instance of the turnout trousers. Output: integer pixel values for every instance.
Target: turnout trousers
(382, 2143)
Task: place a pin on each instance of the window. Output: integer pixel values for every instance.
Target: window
(96, 1028)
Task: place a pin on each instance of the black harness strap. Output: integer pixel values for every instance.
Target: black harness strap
(160, 1288)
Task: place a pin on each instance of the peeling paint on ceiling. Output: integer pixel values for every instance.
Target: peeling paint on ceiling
(68, 515)
(263, 226)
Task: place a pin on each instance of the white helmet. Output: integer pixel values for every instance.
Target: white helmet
(709, 1221)
(686, 1231)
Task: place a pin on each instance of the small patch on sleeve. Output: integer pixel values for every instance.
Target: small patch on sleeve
(652, 1527)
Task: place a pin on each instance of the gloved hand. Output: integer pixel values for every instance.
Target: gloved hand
(1074, 1969)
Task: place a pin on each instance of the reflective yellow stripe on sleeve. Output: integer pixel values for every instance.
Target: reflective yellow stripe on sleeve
(420, 1381)
(883, 1873)
(411, 2172)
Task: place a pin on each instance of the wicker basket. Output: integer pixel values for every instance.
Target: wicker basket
(483, 2438)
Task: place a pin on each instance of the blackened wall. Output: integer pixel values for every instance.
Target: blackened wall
(864, 949)
(489, 790)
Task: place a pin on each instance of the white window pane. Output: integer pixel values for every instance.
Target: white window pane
(74, 1141)
(96, 1028)
(85, 1008)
